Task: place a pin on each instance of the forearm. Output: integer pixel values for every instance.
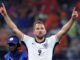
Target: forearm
(65, 28)
(9, 22)
(68, 25)
(12, 26)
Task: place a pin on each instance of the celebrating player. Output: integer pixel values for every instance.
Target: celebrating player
(39, 47)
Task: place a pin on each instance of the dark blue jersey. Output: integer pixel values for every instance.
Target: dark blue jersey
(16, 56)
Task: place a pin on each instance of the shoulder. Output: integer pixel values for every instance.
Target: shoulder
(27, 37)
(6, 55)
(52, 38)
(25, 54)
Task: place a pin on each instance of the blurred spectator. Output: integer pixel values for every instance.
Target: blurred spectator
(3, 36)
(42, 15)
(73, 30)
(3, 47)
(74, 50)
(52, 20)
(78, 20)
(61, 48)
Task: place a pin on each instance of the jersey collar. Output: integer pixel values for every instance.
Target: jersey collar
(40, 42)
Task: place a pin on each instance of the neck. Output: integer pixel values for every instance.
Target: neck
(40, 40)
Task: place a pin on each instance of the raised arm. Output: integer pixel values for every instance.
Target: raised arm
(9, 22)
(68, 25)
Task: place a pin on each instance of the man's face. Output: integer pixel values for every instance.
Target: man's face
(12, 47)
(39, 30)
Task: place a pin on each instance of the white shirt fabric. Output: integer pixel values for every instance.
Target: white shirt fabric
(40, 51)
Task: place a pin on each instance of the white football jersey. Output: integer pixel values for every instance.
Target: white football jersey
(40, 51)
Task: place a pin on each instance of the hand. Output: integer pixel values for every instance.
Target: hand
(74, 14)
(3, 11)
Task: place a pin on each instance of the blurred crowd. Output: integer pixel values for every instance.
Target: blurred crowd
(54, 14)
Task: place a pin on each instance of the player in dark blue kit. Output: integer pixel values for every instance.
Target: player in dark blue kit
(13, 53)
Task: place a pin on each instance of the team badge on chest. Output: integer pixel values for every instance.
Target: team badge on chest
(45, 45)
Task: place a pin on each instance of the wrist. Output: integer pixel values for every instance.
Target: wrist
(72, 18)
(5, 15)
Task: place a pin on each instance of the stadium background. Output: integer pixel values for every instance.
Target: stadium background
(54, 14)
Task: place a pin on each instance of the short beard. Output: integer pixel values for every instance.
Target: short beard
(40, 37)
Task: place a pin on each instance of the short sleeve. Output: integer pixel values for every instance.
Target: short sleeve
(26, 39)
(53, 40)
